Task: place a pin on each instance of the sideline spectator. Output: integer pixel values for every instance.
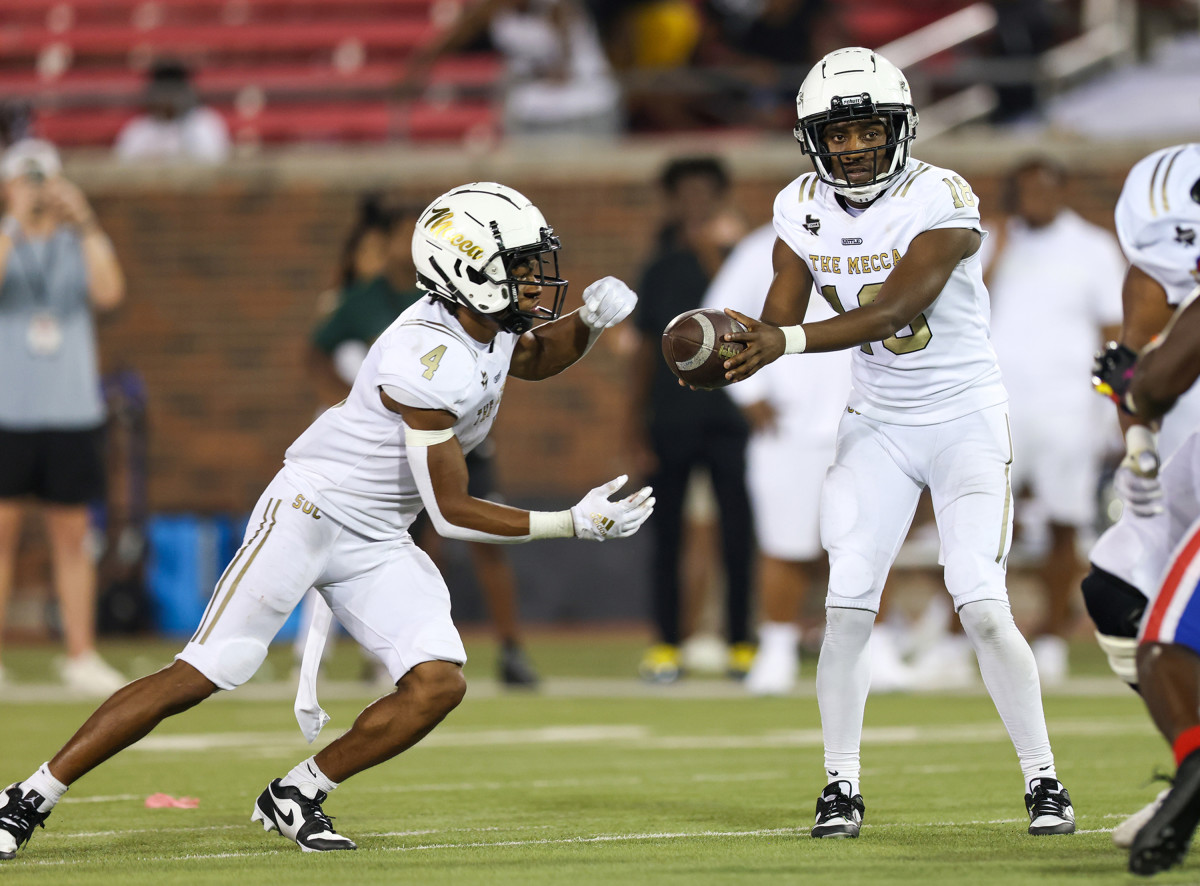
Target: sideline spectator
(174, 126)
(558, 79)
(1050, 264)
(675, 431)
(57, 267)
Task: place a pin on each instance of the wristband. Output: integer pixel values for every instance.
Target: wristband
(551, 524)
(794, 339)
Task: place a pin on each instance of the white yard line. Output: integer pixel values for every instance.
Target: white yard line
(801, 831)
(555, 687)
(642, 738)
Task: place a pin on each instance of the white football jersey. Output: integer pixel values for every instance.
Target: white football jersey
(352, 462)
(1158, 218)
(940, 367)
(1158, 224)
(808, 411)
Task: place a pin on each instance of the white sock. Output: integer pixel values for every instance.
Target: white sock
(843, 678)
(782, 635)
(309, 779)
(46, 785)
(1010, 675)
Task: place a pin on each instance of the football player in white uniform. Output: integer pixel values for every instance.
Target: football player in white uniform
(1158, 221)
(893, 245)
(336, 516)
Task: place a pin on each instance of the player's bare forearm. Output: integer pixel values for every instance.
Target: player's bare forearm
(912, 286)
(786, 304)
(791, 286)
(1168, 368)
(550, 348)
(448, 472)
(1145, 312)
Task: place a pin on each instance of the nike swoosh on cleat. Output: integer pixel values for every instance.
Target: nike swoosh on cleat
(287, 818)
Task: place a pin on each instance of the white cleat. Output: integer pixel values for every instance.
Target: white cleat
(1123, 834)
(299, 818)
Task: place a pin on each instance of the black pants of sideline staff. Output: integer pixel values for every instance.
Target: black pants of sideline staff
(722, 450)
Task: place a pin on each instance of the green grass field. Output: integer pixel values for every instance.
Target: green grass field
(596, 779)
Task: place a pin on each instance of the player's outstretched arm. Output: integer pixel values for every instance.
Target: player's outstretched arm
(786, 304)
(912, 286)
(440, 472)
(1170, 365)
(550, 348)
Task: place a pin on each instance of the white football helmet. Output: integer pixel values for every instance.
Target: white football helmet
(467, 243)
(856, 84)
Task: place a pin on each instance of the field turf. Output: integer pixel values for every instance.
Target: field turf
(595, 779)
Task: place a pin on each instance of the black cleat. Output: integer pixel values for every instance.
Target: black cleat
(1049, 807)
(20, 814)
(299, 818)
(838, 814)
(515, 668)
(1164, 841)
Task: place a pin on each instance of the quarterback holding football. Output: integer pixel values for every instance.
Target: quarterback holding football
(892, 244)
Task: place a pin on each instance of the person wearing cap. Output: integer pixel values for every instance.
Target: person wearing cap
(175, 126)
(57, 268)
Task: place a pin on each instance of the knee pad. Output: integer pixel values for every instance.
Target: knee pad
(851, 578)
(238, 660)
(1115, 606)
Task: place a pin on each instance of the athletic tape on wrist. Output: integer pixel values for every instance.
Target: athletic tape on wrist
(551, 524)
(794, 339)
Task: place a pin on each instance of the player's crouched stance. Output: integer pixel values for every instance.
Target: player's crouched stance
(336, 516)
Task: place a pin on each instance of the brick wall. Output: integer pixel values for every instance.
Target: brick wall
(223, 274)
(224, 269)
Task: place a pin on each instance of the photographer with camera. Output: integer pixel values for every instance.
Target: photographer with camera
(57, 267)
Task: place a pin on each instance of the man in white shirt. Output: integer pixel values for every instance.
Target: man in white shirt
(1055, 282)
(336, 517)
(175, 127)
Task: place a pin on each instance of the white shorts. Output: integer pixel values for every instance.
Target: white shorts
(1059, 458)
(1136, 549)
(871, 493)
(387, 594)
(784, 476)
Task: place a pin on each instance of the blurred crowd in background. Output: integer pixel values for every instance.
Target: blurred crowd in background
(171, 91)
(189, 80)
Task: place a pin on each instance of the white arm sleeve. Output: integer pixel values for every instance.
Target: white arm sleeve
(418, 462)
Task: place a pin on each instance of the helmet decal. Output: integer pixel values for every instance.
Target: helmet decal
(484, 244)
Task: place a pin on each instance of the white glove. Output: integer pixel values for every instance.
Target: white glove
(1136, 480)
(597, 519)
(606, 303)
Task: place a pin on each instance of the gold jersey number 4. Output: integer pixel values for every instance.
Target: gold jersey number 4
(431, 360)
(917, 340)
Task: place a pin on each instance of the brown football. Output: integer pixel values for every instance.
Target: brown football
(692, 346)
